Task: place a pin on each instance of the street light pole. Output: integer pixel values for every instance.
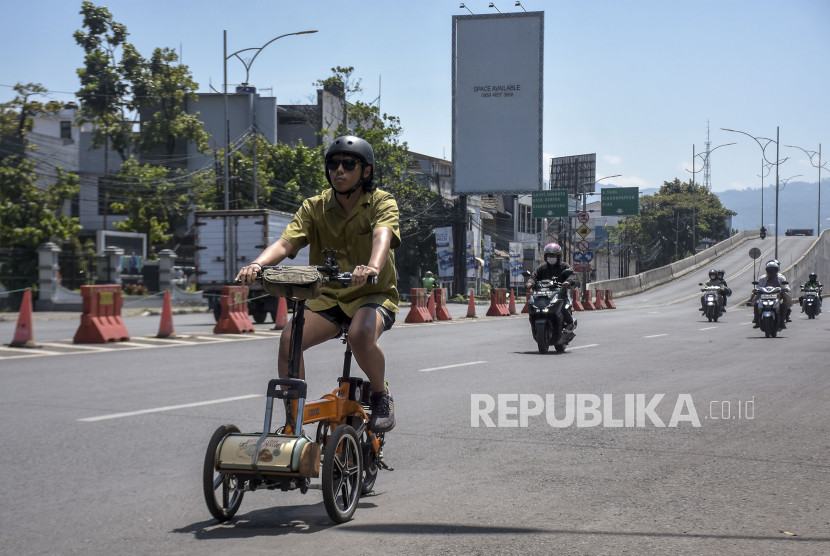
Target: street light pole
(694, 205)
(811, 154)
(777, 162)
(765, 170)
(247, 65)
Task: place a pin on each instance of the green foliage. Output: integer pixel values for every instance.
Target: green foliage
(31, 216)
(161, 89)
(17, 117)
(104, 88)
(662, 233)
(156, 198)
(295, 173)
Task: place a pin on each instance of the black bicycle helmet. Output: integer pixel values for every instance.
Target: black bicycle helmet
(353, 145)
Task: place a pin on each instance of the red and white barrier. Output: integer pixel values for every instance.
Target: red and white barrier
(418, 310)
(234, 318)
(101, 320)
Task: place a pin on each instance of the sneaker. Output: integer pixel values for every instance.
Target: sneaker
(383, 412)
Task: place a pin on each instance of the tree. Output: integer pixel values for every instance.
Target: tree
(161, 90)
(662, 232)
(156, 198)
(30, 215)
(104, 84)
(17, 118)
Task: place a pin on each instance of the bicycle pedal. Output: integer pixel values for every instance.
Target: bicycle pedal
(382, 465)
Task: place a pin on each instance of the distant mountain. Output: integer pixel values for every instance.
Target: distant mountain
(797, 206)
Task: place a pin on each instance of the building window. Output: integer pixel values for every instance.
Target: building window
(66, 129)
(528, 224)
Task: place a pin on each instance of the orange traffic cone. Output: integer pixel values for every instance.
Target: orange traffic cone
(23, 332)
(281, 317)
(166, 325)
(431, 305)
(512, 305)
(471, 308)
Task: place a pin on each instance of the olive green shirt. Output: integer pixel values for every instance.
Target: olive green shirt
(321, 223)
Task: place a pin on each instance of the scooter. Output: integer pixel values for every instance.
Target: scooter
(768, 308)
(811, 301)
(711, 302)
(547, 304)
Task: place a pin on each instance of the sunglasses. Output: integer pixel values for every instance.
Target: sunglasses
(349, 164)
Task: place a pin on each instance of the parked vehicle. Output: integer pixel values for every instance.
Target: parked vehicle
(227, 240)
(712, 302)
(811, 301)
(547, 304)
(768, 308)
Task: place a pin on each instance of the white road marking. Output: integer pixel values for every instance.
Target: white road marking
(167, 408)
(452, 366)
(580, 347)
(707, 328)
(655, 336)
(76, 346)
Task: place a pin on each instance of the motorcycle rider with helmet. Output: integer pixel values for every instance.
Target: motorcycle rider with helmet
(716, 279)
(550, 270)
(774, 278)
(812, 282)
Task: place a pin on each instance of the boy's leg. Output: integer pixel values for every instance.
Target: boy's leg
(317, 329)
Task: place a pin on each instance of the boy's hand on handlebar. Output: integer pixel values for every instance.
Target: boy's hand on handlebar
(249, 274)
(361, 274)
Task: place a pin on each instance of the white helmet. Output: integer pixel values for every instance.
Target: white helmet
(773, 265)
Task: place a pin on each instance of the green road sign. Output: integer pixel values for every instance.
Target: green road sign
(620, 201)
(551, 203)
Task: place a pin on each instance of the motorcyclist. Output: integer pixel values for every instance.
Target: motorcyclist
(811, 283)
(716, 279)
(774, 278)
(550, 270)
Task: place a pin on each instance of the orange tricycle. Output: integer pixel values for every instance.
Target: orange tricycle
(349, 454)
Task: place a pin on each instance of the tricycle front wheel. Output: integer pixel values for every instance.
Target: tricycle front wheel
(342, 476)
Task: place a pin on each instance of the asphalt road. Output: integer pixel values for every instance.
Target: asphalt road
(660, 433)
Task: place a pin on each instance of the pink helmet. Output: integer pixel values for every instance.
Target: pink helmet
(552, 249)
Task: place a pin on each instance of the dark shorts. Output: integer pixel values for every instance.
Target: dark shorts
(337, 316)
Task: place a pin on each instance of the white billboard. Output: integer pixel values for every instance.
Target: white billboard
(497, 102)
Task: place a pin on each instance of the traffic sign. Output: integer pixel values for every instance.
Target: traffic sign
(583, 217)
(754, 252)
(619, 201)
(583, 231)
(588, 256)
(578, 258)
(550, 203)
(583, 246)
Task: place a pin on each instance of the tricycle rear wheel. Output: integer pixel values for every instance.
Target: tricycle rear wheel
(223, 492)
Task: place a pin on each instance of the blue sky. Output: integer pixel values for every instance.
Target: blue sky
(634, 81)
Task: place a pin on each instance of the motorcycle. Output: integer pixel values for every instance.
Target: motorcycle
(768, 308)
(712, 302)
(547, 304)
(811, 301)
